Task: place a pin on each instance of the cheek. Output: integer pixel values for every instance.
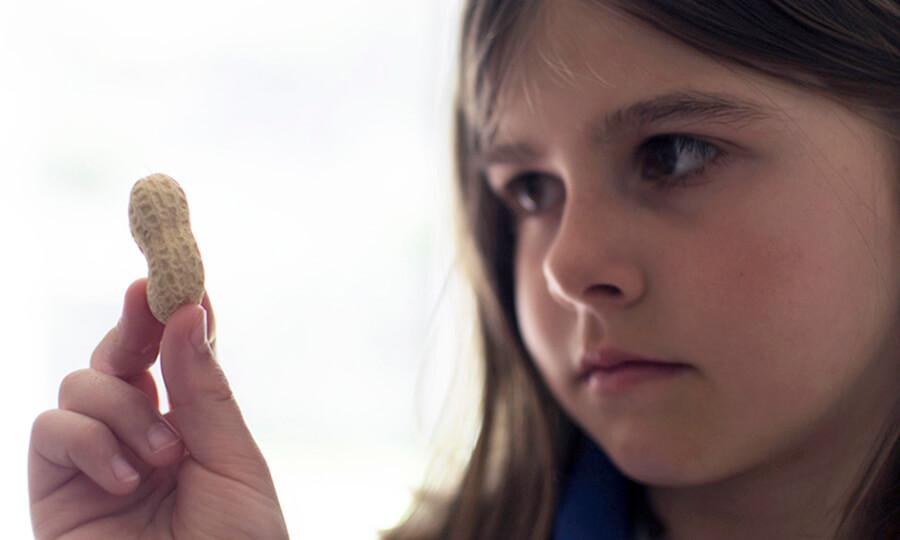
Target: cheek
(787, 306)
(804, 285)
(546, 327)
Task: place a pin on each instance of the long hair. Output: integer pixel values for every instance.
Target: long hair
(847, 50)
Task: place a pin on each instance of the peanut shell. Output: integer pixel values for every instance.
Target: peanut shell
(160, 224)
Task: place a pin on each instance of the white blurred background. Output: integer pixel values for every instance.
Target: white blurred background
(313, 141)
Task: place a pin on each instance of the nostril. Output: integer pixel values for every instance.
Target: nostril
(606, 290)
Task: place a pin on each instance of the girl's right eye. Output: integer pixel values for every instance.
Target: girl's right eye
(530, 193)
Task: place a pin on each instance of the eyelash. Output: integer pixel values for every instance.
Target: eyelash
(684, 145)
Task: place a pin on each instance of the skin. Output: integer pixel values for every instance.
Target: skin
(772, 275)
(212, 482)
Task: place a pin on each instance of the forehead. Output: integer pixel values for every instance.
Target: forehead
(579, 53)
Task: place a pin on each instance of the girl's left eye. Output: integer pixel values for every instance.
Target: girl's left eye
(672, 159)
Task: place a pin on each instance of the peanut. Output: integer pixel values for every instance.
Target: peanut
(160, 225)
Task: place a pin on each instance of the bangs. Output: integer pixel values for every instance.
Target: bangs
(493, 48)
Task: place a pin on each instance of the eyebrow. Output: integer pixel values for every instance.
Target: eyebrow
(685, 106)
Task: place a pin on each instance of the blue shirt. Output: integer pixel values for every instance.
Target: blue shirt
(594, 502)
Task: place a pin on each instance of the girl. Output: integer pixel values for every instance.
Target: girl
(708, 184)
(681, 222)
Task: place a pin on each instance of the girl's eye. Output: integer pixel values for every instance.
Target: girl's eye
(665, 160)
(672, 159)
(532, 192)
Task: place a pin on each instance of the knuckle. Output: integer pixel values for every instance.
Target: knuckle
(92, 441)
(73, 384)
(214, 388)
(43, 423)
(219, 389)
(103, 348)
(221, 393)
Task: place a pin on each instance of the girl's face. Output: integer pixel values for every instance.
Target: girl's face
(772, 272)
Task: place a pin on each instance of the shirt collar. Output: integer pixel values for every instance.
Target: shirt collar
(594, 503)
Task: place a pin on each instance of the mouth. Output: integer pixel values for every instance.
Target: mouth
(609, 361)
(624, 376)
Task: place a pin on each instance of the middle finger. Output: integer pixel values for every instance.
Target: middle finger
(125, 410)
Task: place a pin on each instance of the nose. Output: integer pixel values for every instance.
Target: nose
(593, 261)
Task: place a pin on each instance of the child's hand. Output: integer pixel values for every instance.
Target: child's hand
(211, 483)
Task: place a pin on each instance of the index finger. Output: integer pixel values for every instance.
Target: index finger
(131, 347)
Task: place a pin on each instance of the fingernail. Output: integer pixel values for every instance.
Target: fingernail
(123, 470)
(199, 336)
(160, 436)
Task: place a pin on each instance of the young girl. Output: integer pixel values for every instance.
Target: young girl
(681, 222)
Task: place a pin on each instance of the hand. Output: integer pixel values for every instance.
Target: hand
(211, 482)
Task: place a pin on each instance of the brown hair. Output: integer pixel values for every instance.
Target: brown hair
(848, 51)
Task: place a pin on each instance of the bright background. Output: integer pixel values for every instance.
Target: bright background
(313, 141)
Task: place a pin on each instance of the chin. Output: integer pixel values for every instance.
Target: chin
(656, 460)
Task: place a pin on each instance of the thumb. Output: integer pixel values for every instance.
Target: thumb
(202, 406)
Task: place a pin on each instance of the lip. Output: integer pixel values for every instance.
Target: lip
(609, 360)
(619, 379)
